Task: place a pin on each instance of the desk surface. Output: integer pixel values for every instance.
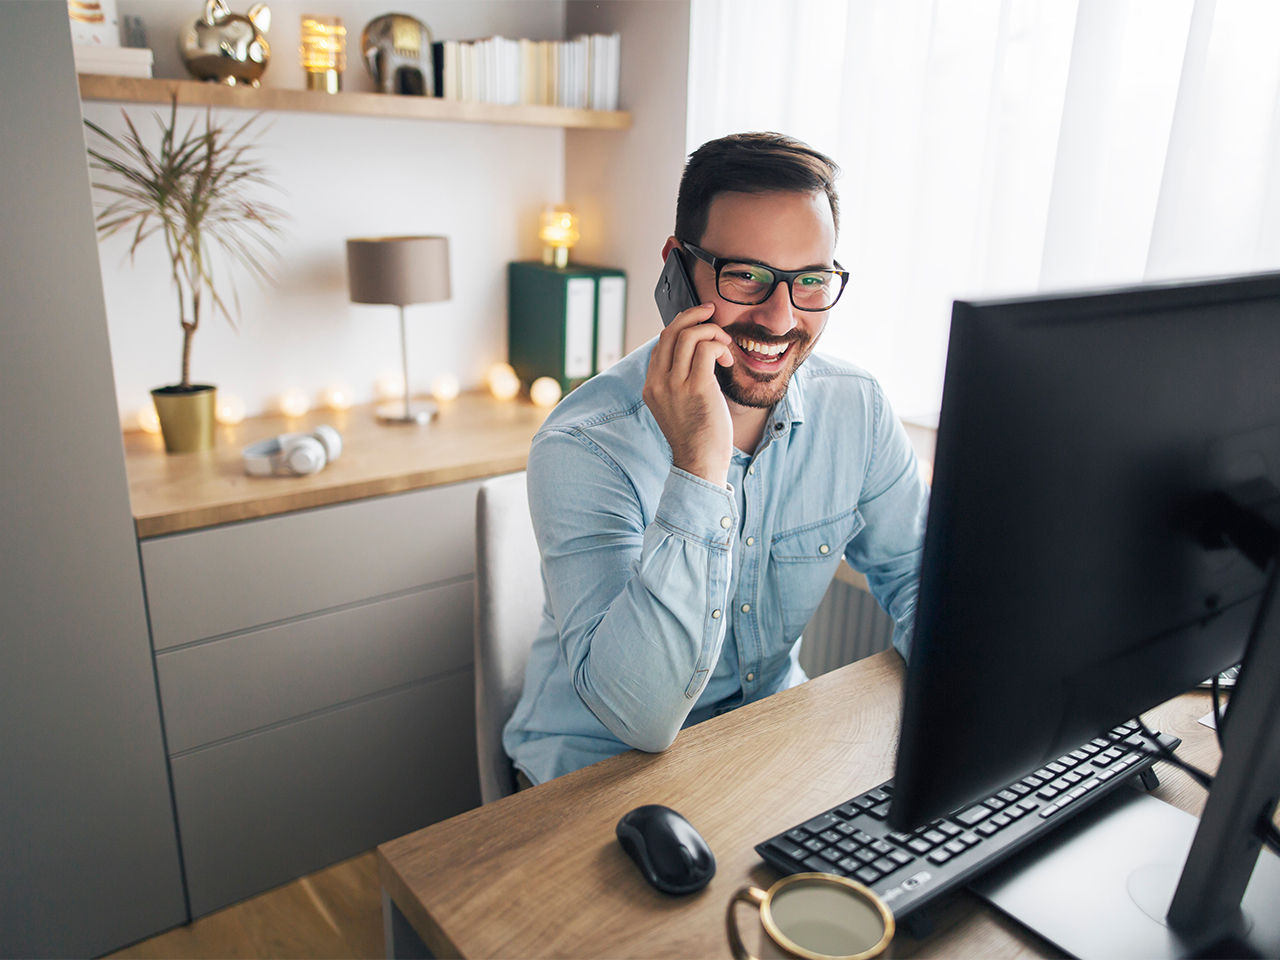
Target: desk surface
(540, 873)
(474, 436)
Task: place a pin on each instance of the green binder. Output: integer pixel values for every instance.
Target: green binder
(567, 323)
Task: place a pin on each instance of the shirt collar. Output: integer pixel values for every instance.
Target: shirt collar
(791, 406)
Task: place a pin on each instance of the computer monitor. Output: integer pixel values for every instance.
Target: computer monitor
(1081, 561)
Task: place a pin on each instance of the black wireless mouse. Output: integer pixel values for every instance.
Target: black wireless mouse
(671, 855)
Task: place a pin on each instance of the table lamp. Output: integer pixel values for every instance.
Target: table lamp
(400, 271)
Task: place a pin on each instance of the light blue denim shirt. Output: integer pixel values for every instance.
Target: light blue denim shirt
(669, 599)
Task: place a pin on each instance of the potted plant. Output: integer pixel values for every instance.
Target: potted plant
(190, 190)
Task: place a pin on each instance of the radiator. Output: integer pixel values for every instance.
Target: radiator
(847, 626)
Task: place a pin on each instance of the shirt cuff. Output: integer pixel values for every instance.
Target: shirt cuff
(698, 510)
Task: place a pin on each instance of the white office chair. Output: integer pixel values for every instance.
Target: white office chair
(508, 610)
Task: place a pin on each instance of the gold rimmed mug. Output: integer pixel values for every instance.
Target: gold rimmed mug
(816, 916)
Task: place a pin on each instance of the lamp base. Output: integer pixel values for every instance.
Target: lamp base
(419, 413)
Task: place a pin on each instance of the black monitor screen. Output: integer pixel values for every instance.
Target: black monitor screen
(1069, 580)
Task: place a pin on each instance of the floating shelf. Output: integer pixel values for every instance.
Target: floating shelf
(194, 93)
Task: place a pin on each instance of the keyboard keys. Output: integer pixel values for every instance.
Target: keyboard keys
(880, 812)
(973, 814)
(885, 865)
(817, 865)
(818, 824)
(867, 874)
(955, 846)
(902, 858)
(940, 856)
(796, 835)
(920, 845)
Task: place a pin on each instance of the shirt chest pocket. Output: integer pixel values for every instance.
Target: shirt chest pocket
(802, 563)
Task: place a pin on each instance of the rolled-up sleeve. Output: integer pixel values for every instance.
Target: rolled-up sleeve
(639, 605)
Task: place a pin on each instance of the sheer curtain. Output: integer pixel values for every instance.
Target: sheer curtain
(996, 147)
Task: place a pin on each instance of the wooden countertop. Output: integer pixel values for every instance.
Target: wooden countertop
(473, 436)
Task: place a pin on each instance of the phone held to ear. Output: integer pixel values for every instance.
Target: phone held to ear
(674, 291)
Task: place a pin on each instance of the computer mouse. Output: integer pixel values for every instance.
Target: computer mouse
(670, 854)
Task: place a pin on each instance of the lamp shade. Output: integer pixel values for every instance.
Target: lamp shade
(398, 270)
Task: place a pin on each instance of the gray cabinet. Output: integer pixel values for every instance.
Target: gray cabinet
(315, 677)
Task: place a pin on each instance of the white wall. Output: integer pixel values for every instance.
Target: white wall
(623, 186)
(481, 185)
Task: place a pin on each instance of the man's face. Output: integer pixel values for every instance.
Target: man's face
(786, 229)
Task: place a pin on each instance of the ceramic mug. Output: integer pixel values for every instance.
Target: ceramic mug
(816, 916)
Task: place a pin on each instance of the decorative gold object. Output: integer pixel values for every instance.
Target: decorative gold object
(559, 232)
(228, 47)
(187, 416)
(323, 52)
(397, 50)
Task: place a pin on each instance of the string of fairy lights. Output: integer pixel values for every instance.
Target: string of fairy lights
(500, 380)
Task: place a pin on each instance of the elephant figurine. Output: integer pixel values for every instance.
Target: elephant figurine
(397, 50)
(228, 47)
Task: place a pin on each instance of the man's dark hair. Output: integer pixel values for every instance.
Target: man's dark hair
(750, 163)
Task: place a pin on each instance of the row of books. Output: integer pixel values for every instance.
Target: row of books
(581, 73)
(120, 61)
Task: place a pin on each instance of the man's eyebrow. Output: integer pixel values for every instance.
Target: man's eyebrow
(762, 263)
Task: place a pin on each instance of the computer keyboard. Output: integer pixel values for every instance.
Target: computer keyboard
(908, 870)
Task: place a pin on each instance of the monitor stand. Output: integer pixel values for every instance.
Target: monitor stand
(1101, 885)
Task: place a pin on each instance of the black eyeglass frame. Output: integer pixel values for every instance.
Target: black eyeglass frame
(779, 276)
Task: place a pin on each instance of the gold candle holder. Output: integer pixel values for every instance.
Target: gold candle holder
(323, 52)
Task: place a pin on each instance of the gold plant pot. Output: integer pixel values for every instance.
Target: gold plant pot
(186, 416)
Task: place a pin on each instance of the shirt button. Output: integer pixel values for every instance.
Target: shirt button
(750, 677)
(726, 522)
(715, 614)
(746, 608)
(824, 549)
(751, 469)
(751, 541)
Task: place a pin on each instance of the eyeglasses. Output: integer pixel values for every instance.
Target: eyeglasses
(748, 283)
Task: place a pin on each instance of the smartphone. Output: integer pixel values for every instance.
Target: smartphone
(674, 291)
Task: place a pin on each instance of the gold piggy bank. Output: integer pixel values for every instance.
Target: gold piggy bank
(227, 47)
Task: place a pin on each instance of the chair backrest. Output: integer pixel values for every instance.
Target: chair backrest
(508, 611)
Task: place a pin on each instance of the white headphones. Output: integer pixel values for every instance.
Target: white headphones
(293, 454)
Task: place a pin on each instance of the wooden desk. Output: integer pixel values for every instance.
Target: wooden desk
(541, 874)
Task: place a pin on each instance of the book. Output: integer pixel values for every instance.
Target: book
(117, 61)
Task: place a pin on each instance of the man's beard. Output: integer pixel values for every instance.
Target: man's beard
(762, 390)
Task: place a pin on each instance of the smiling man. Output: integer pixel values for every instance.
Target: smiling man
(691, 503)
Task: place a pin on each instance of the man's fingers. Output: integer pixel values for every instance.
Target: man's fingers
(688, 341)
(707, 354)
(663, 356)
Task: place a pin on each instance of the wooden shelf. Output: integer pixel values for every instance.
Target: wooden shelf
(193, 93)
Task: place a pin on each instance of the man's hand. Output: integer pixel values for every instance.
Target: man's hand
(684, 396)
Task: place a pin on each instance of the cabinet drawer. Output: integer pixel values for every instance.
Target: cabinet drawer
(213, 582)
(237, 684)
(263, 809)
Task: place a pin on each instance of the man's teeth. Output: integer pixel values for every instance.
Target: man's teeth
(764, 349)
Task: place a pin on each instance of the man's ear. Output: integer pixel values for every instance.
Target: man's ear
(667, 247)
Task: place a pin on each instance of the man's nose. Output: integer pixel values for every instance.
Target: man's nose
(775, 314)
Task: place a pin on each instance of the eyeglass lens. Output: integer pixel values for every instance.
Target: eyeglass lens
(751, 283)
